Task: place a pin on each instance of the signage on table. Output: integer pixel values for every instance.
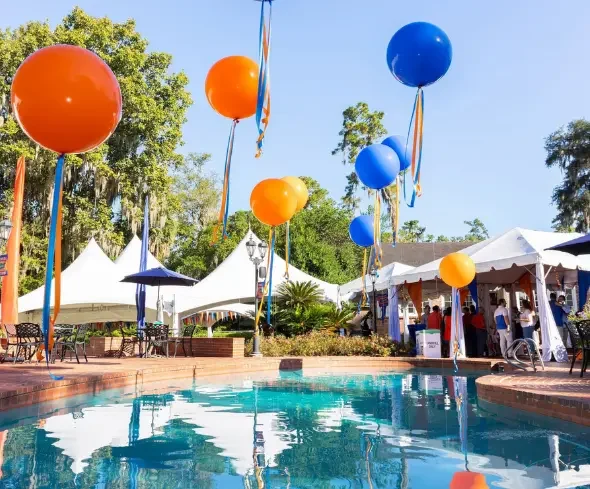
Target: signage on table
(428, 343)
(260, 290)
(382, 299)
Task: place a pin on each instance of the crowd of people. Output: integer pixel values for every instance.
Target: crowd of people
(490, 339)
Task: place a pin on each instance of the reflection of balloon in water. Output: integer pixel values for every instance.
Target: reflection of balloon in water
(396, 144)
(66, 99)
(468, 480)
(361, 231)
(419, 54)
(300, 190)
(377, 166)
(232, 87)
(457, 270)
(273, 201)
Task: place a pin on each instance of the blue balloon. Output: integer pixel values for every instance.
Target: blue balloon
(419, 54)
(396, 144)
(377, 166)
(361, 231)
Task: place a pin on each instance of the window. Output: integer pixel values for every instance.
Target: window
(468, 302)
(411, 308)
(569, 297)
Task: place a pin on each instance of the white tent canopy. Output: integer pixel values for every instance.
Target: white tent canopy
(497, 260)
(383, 281)
(233, 281)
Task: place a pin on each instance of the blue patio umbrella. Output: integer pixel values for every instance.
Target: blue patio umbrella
(160, 276)
(577, 246)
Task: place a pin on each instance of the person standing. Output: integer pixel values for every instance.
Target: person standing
(481, 332)
(558, 315)
(566, 312)
(502, 320)
(469, 334)
(434, 319)
(424, 318)
(527, 320)
(447, 332)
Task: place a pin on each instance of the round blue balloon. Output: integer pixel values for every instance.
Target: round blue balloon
(419, 54)
(361, 231)
(397, 144)
(377, 166)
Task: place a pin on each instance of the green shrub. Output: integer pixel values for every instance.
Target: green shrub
(324, 344)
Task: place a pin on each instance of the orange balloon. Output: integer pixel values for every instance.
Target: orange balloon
(468, 480)
(273, 202)
(300, 191)
(457, 270)
(232, 87)
(66, 99)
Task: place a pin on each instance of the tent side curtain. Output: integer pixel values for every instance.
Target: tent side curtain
(583, 287)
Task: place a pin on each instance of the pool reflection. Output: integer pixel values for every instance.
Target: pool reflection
(365, 431)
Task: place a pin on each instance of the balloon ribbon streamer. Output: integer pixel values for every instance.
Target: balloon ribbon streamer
(396, 196)
(364, 275)
(53, 263)
(224, 210)
(377, 231)
(417, 121)
(456, 349)
(287, 251)
(263, 102)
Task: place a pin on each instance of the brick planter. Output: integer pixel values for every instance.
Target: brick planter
(108, 346)
(201, 347)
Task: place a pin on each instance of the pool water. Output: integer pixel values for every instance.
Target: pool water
(290, 430)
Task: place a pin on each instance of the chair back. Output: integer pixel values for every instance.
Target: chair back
(583, 330)
(189, 330)
(10, 330)
(81, 333)
(28, 331)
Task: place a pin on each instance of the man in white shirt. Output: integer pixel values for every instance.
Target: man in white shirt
(502, 320)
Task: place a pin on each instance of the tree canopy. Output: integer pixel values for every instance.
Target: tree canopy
(568, 149)
(104, 190)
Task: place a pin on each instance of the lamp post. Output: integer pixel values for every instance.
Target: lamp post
(5, 228)
(256, 260)
(373, 274)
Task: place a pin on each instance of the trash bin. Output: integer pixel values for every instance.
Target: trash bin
(412, 328)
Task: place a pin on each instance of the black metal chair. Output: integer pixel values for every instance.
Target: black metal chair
(61, 333)
(185, 340)
(156, 339)
(28, 340)
(580, 336)
(128, 342)
(74, 340)
(11, 341)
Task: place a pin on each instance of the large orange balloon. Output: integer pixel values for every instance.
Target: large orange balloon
(273, 202)
(457, 270)
(468, 480)
(232, 87)
(300, 191)
(66, 99)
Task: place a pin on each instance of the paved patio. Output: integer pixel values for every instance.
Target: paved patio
(552, 393)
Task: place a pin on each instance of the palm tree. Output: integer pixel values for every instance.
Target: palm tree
(299, 294)
(338, 319)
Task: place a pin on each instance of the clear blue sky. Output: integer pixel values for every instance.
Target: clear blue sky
(520, 70)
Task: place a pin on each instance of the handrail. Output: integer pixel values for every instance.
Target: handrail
(510, 355)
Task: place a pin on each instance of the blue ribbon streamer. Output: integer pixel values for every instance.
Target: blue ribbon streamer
(263, 73)
(59, 167)
(457, 302)
(272, 255)
(415, 177)
(228, 155)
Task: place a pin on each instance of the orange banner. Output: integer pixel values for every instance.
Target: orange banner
(10, 281)
(415, 293)
(463, 293)
(525, 284)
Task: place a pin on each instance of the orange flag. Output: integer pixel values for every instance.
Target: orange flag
(463, 293)
(415, 293)
(10, 281)
(525, 284)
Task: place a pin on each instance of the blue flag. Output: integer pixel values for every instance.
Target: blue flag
(140, 290)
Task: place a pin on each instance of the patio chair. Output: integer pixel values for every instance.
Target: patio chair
(156, 338)
(61, 332)
(128, 342)
(77, 339)
(28, 340)
(11, 341)
(580, 336)
(185, 340)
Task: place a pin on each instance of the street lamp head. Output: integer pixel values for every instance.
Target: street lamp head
(262, 247)
(251, 247)
(373, 274)
(5, 228)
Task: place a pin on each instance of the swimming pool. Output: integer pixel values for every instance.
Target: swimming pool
(290, 430)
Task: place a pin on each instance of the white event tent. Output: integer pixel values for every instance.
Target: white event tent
(382, 282)
(500, 262)
(233, 281)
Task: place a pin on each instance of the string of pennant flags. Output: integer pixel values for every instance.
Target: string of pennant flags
(209, 317)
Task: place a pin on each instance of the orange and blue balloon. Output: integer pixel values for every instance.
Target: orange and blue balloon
(377, 166)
